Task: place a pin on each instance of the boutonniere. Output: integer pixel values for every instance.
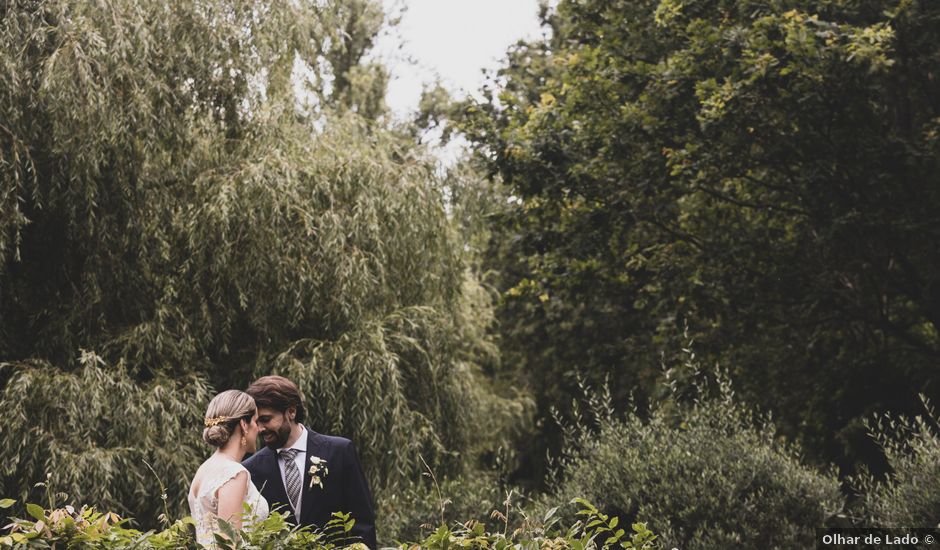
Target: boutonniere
(317, 471)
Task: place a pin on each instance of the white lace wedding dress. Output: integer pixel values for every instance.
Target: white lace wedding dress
(204, 506)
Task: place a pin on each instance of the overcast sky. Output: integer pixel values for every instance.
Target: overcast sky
(451, 40)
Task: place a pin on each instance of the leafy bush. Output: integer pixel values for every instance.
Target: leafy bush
(595, 530)
(87, 528)
(426, 503)
(418, 509)
(706, 474)
(94, 433)
(910, 496)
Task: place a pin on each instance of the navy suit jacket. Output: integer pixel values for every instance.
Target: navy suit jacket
(344, 489)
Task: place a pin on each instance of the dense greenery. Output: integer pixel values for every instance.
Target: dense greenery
(77, 433)
(910, 495)
(174, 211)
(193, 194)
(763, 172)
(702, 470)
(87, 528)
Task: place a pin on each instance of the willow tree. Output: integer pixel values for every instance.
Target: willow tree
(172, 222)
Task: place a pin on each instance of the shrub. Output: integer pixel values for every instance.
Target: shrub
(910, 495)
(87, 528)
(595, 530)
(705, 475)
(419, 509)
(95, 433)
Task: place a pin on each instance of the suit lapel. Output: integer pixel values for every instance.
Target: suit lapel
(308, 502)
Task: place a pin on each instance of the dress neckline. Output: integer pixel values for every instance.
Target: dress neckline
(193, 492)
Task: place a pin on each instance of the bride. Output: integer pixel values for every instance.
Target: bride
(222, 485)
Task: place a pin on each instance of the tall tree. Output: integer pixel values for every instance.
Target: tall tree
(763, 172)
(170, 217)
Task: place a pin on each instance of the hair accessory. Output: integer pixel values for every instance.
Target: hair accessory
(215, 421)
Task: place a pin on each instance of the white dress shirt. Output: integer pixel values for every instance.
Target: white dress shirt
(301, 445)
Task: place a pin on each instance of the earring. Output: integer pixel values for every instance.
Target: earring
(244, 441)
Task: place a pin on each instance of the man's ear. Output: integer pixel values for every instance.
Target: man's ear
(291, 413)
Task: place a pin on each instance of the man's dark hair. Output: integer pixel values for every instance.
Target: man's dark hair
(278, 393)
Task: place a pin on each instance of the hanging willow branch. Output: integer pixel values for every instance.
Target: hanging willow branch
(164, 202)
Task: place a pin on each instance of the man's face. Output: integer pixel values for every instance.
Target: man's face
(275, 427)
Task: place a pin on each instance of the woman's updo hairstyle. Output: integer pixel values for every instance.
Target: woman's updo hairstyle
(224, 412)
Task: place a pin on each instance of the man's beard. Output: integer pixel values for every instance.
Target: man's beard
(280, 437)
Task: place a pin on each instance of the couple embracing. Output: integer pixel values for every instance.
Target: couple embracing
(305, 474)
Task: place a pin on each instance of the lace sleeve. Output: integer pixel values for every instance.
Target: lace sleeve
(209, 491)
(205, 505)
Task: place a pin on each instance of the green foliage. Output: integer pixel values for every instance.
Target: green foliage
(119, 89)
(67, 527)
(169, 202)
(910, 495)
(417, 510)
(90, 433)
(703, 471)
(595, 531)
(761, 171)
(86, 528)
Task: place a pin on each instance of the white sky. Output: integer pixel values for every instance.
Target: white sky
(450, 40)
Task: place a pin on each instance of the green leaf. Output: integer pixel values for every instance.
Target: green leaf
(549, 514)
(227, 529)
(7, 502)
(36, 511)
(582, 502)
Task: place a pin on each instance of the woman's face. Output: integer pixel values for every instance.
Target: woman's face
(251, 433)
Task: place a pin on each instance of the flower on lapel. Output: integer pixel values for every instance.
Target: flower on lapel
(317, 471)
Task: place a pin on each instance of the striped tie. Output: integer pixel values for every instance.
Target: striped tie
(291, 477)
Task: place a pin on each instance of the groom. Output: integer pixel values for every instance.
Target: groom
(309, 474)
